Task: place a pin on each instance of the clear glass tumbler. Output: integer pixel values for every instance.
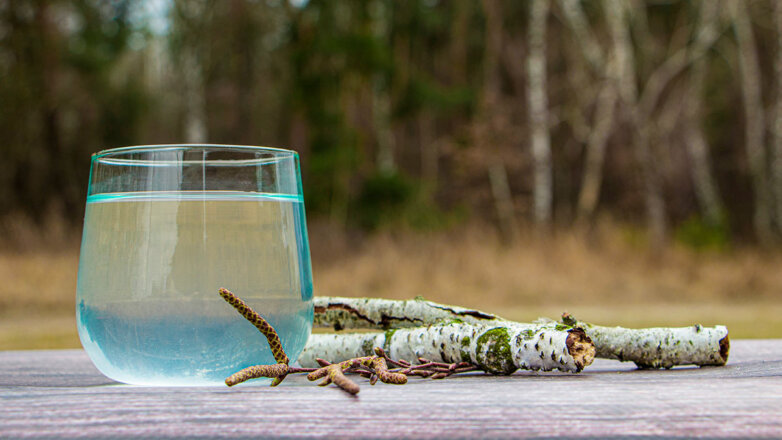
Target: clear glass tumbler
(165, 227)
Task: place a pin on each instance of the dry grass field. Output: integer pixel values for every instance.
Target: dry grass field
(605, 279)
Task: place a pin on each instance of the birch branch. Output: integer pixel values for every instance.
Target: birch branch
(665, 347)
(494, 349)
(583, 35)
(659, 347)
(376, 313)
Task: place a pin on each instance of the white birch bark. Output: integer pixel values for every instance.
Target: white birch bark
(495, 349)
(193, 83)
(195, 106)
(754, 125)
(660, 347)
(537, 102)
(648, 348)
(377, 313)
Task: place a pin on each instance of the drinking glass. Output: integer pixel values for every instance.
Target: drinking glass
(165, 227)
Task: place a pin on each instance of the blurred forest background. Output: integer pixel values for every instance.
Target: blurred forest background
(621, 159)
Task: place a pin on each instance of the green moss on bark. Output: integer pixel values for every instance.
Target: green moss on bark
(493, 352)
(389, 335)
(465, 350)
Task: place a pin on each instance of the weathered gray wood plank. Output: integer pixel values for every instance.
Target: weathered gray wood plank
(60, 394)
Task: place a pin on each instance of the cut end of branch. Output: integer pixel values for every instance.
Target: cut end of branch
(580, 347)
(724, 349)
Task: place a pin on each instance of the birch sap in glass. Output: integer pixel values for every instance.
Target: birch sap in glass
(166, 227)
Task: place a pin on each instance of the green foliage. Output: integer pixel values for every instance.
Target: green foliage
(343, 82)
(424, 94)
(62, 97)
(383, 200)
(701, 235)
(392, 200)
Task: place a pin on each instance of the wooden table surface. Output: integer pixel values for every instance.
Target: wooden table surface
(60, 394)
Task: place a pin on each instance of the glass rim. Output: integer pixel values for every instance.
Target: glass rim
(114, 156)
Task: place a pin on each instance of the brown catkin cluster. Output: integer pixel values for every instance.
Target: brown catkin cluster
(334, 373)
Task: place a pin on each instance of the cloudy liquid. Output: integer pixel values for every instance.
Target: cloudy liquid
(151, 264)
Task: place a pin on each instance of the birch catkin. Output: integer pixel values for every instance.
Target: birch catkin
(494, 349)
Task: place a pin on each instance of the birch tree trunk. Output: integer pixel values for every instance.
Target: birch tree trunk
(583, 35)
(615, 11)
(195, 105)
(697, 147)
(754, 125)
(605, 105)
(193, 84)
(538, 111)
(597, 142)
(641, 107)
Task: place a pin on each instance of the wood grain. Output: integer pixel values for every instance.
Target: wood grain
(60, 394)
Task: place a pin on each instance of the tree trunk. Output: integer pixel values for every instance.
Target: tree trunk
(583, 35)
(754, 126)
(194, 86)
(538, 111)
(61, 174)
(195, 103)
(697, 147)
(500, 189)
(490, 127)
(652, 187)
(605, 105)
(597, 141)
